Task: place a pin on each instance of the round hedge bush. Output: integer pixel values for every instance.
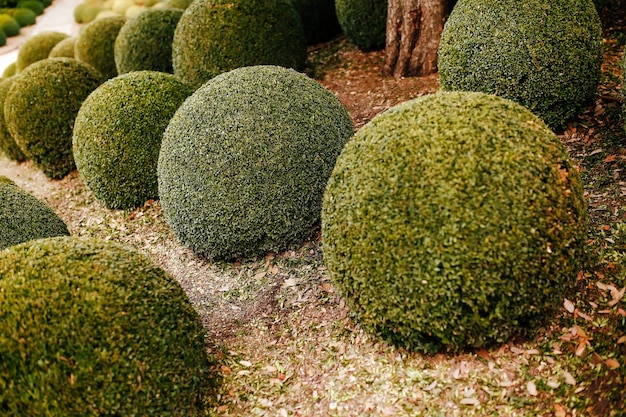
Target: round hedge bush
(64, 49)
(364, 22)
(96, 42)
(145, 42)
(452, 221)
(117, 156)
(93, 328)
(245, 159)
(37, 47)
(3, 38)
(87, 12)
(25, 17)
(33, 5)
(24, 218)
(215, 36)
(319, 20)
(9, 25)
(9, 71)
(7, 143)
(542, 54)
(40, 109)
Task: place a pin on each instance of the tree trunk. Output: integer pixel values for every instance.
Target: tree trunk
(413, 33)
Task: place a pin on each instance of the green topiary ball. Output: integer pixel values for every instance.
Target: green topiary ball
(542, 54)
(25, 17)
(117, 156)
(319, 20)
(145, 42)
(215, 36)
(364, 22)
(36, 6)
(92, 328)
(455, 220)
(64, 49)
(96, 42)
(24, 218)
(245, 159)
(40, 109)
(9, 71)
(7, 143)
(87, 12)
(9, 25)
(37, 47)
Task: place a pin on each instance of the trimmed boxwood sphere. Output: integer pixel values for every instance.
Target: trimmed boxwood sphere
(319, 19)
(7, 143)
(364, 22)
(215, 36)
(64, 49)
(92, 328)
(96, 42)
(543, 54)
(24, 218)
(40, 109)
(117, 156)
(9, 71)
(145, 42)
(452, 221)
(25, 17)
(245, 159)
(37, 47)
(36, 6)
(9, 25)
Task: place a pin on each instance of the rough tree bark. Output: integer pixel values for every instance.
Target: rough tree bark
(413, 33)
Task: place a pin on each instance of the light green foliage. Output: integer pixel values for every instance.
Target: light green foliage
(215, 36)
(9, 71)
(92, 328)
(40, 109)
(117, 156)
(364, 21)
(245, 159)
(543, 54)
(179, 4)
(37, 47)
(96, 42)
(86, 12)
(24, 218)
(452, 221)
(25, 17)
(145, 42)
(319, 19)
(64, 49)
(9, 25)
(7, 143)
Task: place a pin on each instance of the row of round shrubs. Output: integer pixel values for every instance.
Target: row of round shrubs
(12, 20)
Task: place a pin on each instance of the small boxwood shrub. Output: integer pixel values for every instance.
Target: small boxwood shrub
(37, 47)
(319, 20)
(545, 55)
(96, 42)
(40, 109)
(215, 36)
(36, 6)
(101, 329)
(9, 71)
(364, 22)
(245, 159)
(25, 17)
(24, 218)
(87, 12)
(117, 156)
(145, 42)
(64, 49)
(9, 25)
(7, 143)
(452, 221)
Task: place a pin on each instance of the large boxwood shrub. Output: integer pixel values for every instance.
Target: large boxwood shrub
(25, 17)
(245, 159)
(24, 218)
(452, 221)
(64, 49)
(96, 44)
(215, 36)
(543, 54)
(319, 19)
(117, 155)
(145, 42)
(7, 143)
(91, 328)
(37, 47)
(40, 109)
(364, 22)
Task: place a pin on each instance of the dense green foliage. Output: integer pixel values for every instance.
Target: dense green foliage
(7, 143)
(319, 19)
(24, 218)
(9, 71)
(96, 44)
(87, 12)
(34, 5)
(9, 25)
(543, 54)
(40, 109)
(117, 156)
(455, 220)
(364, 21)
(25, 17)
(37, 47)
(215, 36)
(64, 49)
(90, 328)
(145, 42)
(245, 159)
(3, 38)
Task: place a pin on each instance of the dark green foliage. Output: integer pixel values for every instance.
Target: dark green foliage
(543, 54)
(64, 49)
(145, 42)
(40, 109)
(215, 36)
(9, 25)
(455, 220)
(96, 42)
(25, 17)
(245, 159)
(7, 143)
(117, 156)
(91, 328)
(37, 47)
(33, 5)
(9, 71)
(24, 218)
(319, 19)
(364, 21)
(3, 38)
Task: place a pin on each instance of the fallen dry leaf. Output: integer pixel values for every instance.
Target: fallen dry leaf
(621, 340)
(612, 363)
(569, 306)
(610, 158)
(470, 401)
(531, 388)
(582, 315)
(569, 379)
(559, 410)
